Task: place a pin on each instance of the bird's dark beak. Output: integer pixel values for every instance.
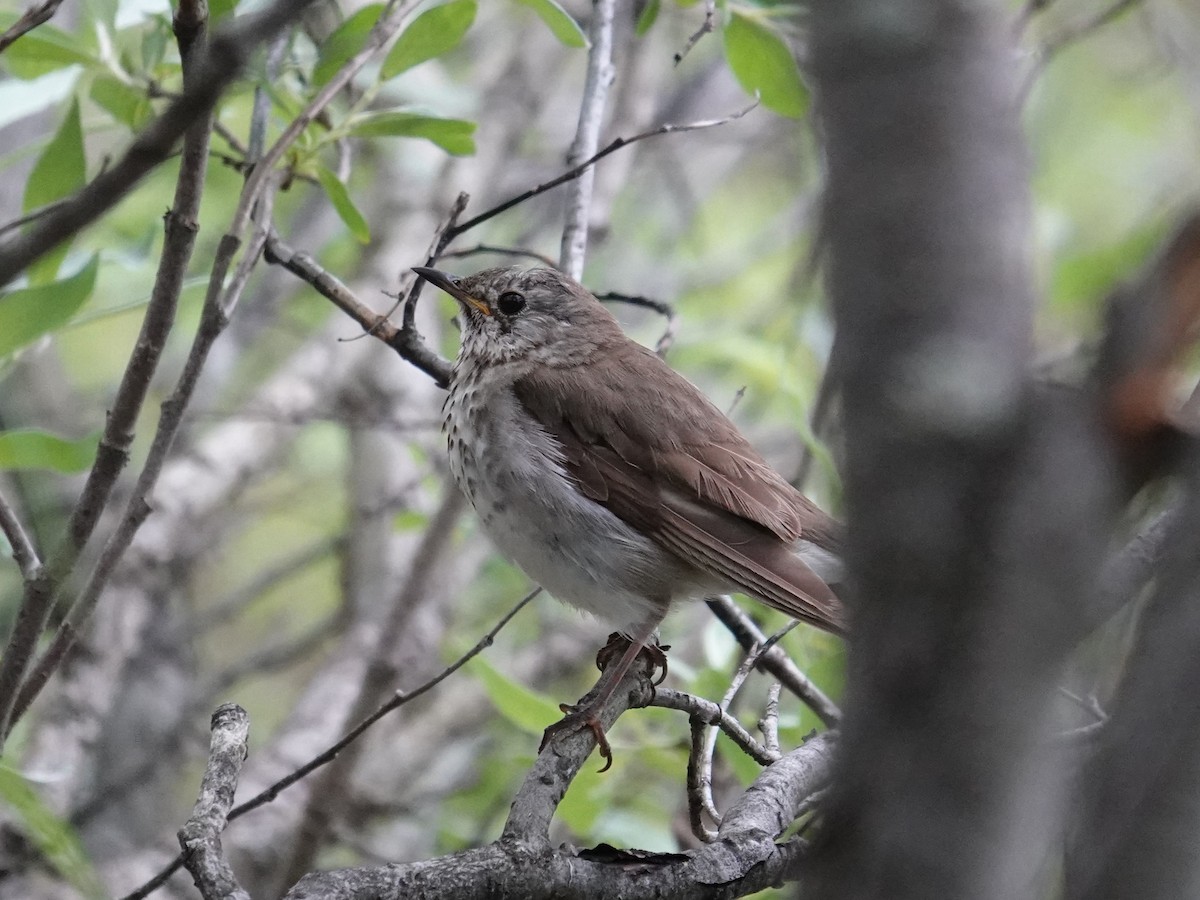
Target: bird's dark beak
(449, 284)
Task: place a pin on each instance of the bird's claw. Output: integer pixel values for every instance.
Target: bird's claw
(576, 718)
(656, 653)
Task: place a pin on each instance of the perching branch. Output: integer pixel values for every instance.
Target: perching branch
(522, 863)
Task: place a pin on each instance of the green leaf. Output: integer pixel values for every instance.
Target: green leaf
(153, 41)
(452, 135)
(43, 50)
(527, 710)
(340, 198)
(220, 9)
(762, 62)
(346, 40)
(61, 170)
(647, 18)
(409, 520)
(431, 34)
(28, 448)
(585, 800)
(559, 21)
(104, 12)
(126, 105)
(1082, 278)
(55, 839)
(29, 313)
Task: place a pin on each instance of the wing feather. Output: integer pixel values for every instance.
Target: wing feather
(658, 422)
(716, 503)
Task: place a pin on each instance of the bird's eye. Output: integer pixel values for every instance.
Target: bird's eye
(510, 303)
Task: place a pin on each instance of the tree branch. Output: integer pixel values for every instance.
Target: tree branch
(574, 172)
(600, 74)
(200, 838)
(777, 663)
(38, 14)
(744, 859)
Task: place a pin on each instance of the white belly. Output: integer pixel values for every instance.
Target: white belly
(573, 547)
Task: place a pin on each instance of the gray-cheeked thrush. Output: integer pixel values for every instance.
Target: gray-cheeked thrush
(607, 476)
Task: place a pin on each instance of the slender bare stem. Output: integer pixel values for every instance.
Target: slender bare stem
(600, 74)
(36, 15)
(24, 552)
(578, 170)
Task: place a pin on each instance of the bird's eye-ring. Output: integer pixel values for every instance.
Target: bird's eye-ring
(510, 303)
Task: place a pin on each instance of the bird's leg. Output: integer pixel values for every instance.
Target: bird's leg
(655, 652)
(586, 713)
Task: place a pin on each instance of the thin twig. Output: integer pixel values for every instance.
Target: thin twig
(260, 117)
(774, 661)
(576, 171)
(24, 552)
(397, 700)
(706, 27)
(1068, 36)
(709, 745)
(32, 216)
(410, 345)
(664, 309)
(699, 783)
(769, 723)
(501, 251)
(711, 714)
(600, 74)
(441, 239)
(30, 19)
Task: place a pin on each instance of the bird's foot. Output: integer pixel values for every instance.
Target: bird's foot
(577, 718)
(655, 653)
(614, 660)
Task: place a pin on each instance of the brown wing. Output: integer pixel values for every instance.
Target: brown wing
(655, 451)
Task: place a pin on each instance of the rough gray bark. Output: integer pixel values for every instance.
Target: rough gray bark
(959, 477)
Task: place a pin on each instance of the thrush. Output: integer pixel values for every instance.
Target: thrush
(608, 477)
